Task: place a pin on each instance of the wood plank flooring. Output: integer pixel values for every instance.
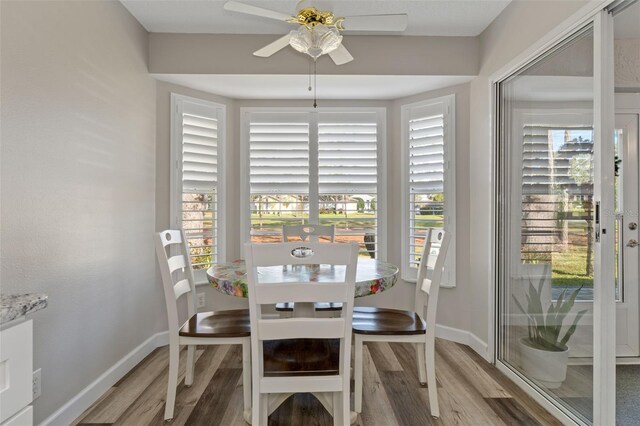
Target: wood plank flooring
(471, 392)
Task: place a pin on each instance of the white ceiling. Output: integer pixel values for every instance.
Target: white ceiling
(426, 17)
(329, 86)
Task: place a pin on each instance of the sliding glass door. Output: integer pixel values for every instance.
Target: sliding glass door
(555, 222)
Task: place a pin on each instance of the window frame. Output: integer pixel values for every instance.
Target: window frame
(408, 273)
(245, 190)
(175, 166)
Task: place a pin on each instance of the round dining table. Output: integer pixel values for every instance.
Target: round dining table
(372, 276)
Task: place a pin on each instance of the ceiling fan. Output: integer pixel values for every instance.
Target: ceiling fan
(319, 31)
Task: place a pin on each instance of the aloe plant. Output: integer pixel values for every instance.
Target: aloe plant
(544, 329)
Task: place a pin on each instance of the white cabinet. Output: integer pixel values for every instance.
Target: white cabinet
(16, 370)
(23, 418)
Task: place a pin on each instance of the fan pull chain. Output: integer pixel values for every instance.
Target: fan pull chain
(310, 65)
(315, 85)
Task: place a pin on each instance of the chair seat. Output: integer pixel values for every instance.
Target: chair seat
(301, 357)
(232, 323)
(386, 322)
(320, 306)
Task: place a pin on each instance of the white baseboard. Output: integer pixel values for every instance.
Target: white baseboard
(464, 337)
(70, 411)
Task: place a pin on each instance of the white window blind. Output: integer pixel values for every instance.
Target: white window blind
(196, 183)
(430, 203)
(279, 153)
(348, 153)
(278, 173)
(553, 157)
(314, 167)
(348, 176)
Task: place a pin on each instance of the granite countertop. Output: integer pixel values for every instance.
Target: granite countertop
(13, 306)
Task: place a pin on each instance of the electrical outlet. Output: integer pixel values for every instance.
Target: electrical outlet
(201, 300)
(37, 383)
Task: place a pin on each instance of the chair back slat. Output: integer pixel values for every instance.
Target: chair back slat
(308, 232)
(177, 274)
(170, 236)
(430, 272)
(273, 293)
(426, 285)
(301, 328)
(177, 262)
(181, 287)
(298, 253)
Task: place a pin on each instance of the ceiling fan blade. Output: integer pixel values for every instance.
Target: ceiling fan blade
(272, 48)
(235, 6)
(396, 22)
(341, 55)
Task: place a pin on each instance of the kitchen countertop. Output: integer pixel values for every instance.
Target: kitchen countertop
(13, 306)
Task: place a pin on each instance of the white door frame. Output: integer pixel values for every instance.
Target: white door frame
(604, 309)
(604, 303)
(627, 309)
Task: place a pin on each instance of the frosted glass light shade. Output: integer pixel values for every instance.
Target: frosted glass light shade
(315, 41)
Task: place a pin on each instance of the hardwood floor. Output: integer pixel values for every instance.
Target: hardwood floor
(470, 390)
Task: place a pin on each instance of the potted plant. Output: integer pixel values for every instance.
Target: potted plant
(544, 353)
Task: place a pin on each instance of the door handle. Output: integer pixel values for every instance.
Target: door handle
(633, 243)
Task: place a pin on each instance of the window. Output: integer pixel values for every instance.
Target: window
(196, 158)
(322, 166)
(429, 180)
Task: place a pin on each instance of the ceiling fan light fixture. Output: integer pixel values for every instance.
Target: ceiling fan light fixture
(315, 41)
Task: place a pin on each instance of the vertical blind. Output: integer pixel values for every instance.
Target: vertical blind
(199, 180)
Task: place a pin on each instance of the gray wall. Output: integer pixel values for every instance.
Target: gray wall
(78, 186)
(392, 55)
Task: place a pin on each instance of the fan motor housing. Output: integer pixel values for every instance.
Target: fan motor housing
(310, 17)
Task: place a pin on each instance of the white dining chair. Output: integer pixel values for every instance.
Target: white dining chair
(300, 354)
(201, 328)
(311, 233)
(391, 325)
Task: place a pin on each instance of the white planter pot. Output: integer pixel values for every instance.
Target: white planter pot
(549, 368)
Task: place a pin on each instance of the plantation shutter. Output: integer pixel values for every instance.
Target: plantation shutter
(426, 180)
(548, 185)
(348, 153)
(279, 153)
(426, 150)
(200, 132)
(199, 148)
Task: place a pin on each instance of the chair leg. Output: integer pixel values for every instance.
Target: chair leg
(246, 375)
(420, 358)
(191, 365)
(256, 403)
(174, 358)
(264, 410)
(337, 409)
(357, 373)
(346, 405)
(430, 354)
